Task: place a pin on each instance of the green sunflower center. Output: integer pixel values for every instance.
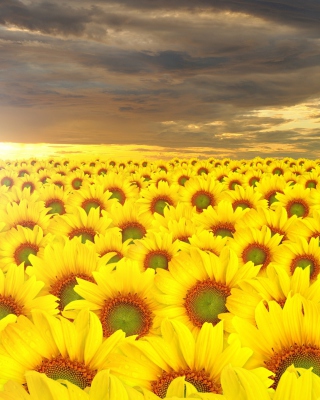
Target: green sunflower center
(117, 194)
(132, 231)
(76, 183)
(205, 301)
(241, 204)
(64, 289)
(201, 200)
(158, 205)
(7, 181)
(277, 171)
(182, 180)
(127, 312)
(223, 230)
(253, 181)
(302, 356)
(202, 171)
(71, 370)
(271, 197)
(92, 203)
(115, 259)
(57, 207)
(311, 184)
(300, 209)
(28, 185)
(258, 254)
(304, 262)
(157, 259)
(84, 233)
(23, 252)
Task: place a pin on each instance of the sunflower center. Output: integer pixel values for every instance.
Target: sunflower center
(233, 184)
(157, 259)
(9, 306)
(23, 252)
(64, 289)
(71, 370)
(302, 356)
(205, 301)
(223, 230)
(256, 253)
(127, 312)
(311, 184)
(76, 183)
(303, 262)
(271, 197)
(132, 230)
(201, 200)
(27, 224)
(183, 179)
(199, 379)
(84, 233)
(253, 181)
(277, 171)
(159, 204)
(91, 203)
(298, 208)
(57, 207)
(203, 170)
(115, 258)
(7, 181)
(118, 194)
(241, 204)
(29, 185)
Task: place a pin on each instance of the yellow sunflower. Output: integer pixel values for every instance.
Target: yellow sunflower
(19, 295)
(269, 185)
(154, 199)
(77, 223)
(119, 185)
(26, 214)
(298, 200)
(204, 240)
(8, 178)
(60, 349)
(299, 254)
(196, 287)
(111, 243)
(58, 180)
(310, 179)
(154, 362)
(282, 336)
(18, 243)
(241, 197)
(154, 251)
(181, 175)
(256, 245)
(62, 262)
(278, 167)
(277, 285)
(130, 220)
(221, 220)
(122, 298)
(29, 181)
(55, 199)
(233, 179)
(201, 192)
(307, 227)
(75, 180)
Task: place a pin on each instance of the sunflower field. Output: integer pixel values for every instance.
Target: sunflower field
(181, 279)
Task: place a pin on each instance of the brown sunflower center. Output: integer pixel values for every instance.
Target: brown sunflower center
(23, 252)
(9, 306)
(302, 261)
(56, 206)
(271, 196)
(29, 185)
(202, 200)
(76, 183)
(91, 203)
(158, 204)
(157, 259)
(128, 312)
(233, 184)
(257, 253)
(132, 230)
(205, 301)
(199, 379)
(7, 181)
(63, 288)
(183, 179)
(297, 207)
(84, 233)
(27, 224)
(302, 356)
(73, 371)
(118, 194)
(311, 183)
(241, 204)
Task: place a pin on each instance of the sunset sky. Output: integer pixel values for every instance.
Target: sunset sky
(231, 78)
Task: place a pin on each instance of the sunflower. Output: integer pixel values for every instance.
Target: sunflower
(233, 179)
(299, 254)
(56, 347)
(18, 243)
(154, 251)
(8, 178)
(278, 167)
(92, 196)
(181, 175)
(122, 298)
(241, 197)
(29, 181)
(203, 167)
(130, 220)
(256, 245)
(111, 243)
(20, 294)
(25, 214)
(277, 285)
(307, 227)
(136, 179)
(154, 362)
(58, 180)
(196, 287)
(221, 220)
(154, 199)
(161, 176)
(310, 179)
(204, 240)
(55, 199)
(75, 180)
(269, 185)
(276, 220)
(174, 213)
(282, 336)
(77, 223)
(119, 185)
(61, 263)
(298, 200)
(201, 192)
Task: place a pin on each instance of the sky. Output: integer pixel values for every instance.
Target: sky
(231, 78)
